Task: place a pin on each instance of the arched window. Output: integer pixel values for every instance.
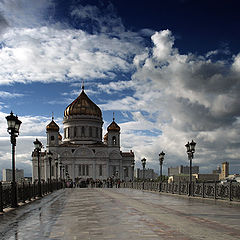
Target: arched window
(90, 131)
(100, 170)
(83, 132)
(52, 138)
(97, 132)
(87, 170)
(114, 140)
(75, 131)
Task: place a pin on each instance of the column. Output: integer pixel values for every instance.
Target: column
(94, 169)
(46, 172)
(120, 170)
(73, 172)
(107, 170)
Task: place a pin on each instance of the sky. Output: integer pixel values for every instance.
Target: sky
(170, 70)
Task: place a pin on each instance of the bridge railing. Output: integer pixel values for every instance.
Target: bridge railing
(26, 192)
(227, 191)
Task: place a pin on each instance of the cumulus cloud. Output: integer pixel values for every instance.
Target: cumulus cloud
(49, 55)
(4, 94)
(186, 97)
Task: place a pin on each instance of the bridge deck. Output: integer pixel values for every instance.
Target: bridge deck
(119, 214)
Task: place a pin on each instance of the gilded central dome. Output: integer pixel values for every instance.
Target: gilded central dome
(82, 105)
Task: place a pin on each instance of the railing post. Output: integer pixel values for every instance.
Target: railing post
(23, 193)
(192, 190)
(29, 191)
(215, 190)
(230, 191)
(34, 190)
(179, 187)
(203, 189)
(1, 197)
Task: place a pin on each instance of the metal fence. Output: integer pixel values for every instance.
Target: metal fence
(26, 192)
(227, 191)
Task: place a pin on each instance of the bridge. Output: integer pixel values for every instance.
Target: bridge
(121, 213)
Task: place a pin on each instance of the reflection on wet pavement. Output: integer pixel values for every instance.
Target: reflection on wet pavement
(119, 214)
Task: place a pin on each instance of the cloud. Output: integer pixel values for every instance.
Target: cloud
(40, 54)
(187, 97)
(25, 13)
(4, 94)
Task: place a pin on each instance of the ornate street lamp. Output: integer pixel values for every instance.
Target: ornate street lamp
(50, 168)
(144, 165)
(60, 166)
(13, 129)
(132, 166)
(63, 172)
(161, 158)
(56, 164)
(124, 173)
(38, 146)
(190, 152)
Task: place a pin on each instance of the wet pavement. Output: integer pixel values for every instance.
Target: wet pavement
(119, 214)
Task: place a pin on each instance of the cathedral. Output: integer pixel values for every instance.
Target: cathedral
(83, 153)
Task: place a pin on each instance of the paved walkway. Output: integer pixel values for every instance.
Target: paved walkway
(119, 214)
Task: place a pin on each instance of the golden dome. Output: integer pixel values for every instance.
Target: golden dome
(59, 137)
(52, 126)
(82, 105)
(113, 127)
(105, 138)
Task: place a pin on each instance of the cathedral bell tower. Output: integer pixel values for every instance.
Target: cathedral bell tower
(53, 135)
(112, 138)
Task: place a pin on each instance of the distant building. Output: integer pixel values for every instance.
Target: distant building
(7, 175)
(182, 170)
(180, 178)
(225, 170)
(149, 174)
(207, 177)
(195, 177)
(217, 171)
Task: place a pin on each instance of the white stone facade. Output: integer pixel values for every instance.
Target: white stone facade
(82, 152)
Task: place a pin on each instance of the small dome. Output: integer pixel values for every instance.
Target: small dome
(52, 126)
(82, 105)
(59, 137)
(113, 127)
(105, 138)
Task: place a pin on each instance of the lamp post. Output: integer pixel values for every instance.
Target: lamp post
(124, 173)
(161, 158)
(132, 166)
(190, 152)
(60, 166)
(50, 168)
(56, 164)
(144, 165)
(63, 170)
(38, 146)
(13, 129)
